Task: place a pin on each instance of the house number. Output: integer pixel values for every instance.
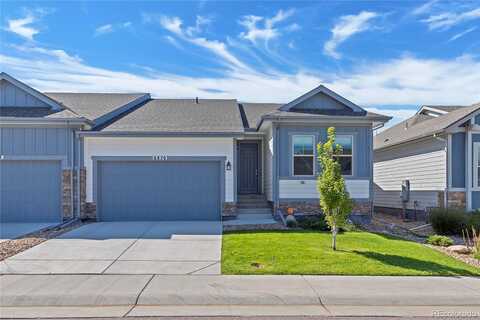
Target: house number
(160, 158)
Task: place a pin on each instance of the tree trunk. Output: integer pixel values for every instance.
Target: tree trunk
(334, 238)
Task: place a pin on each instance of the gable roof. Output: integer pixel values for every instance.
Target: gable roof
(182, 115)
(96, 106)
(324, 90)
(254, 112)
(412, 128)
(37, 94)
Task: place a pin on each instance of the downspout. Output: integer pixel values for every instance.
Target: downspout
(445, 191)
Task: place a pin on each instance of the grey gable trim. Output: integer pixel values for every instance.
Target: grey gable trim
(104, 119)
(326, 91)
(40, 96)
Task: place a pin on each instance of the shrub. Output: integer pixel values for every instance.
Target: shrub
(317, 223)
(477, 255)
(291, 221)
(448, 221)
(437, 240)
(473, 220)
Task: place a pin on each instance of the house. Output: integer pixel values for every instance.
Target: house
(113, 157)
(438, 151)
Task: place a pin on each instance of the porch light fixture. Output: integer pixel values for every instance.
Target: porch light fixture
(229, 166)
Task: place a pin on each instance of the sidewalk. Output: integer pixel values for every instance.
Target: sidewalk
(157, 295)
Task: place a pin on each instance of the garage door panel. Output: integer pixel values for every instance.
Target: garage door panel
(30, 191)
(158, 190)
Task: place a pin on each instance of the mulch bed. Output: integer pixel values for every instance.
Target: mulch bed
(467, 258)
(12, 247)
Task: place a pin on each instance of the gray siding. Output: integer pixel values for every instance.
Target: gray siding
(423, 163)
(475, 200)
(458, 160)
(321, 101)
(12, 96)
(361, 154)
(36, 142)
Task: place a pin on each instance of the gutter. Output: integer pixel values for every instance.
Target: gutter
(43, 121)
(157, 134)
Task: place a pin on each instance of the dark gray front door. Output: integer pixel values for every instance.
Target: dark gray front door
(30, 191)
(152, 191)
(248, 168)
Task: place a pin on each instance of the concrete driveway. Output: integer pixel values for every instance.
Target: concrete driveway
(11, 230)
(187, 247)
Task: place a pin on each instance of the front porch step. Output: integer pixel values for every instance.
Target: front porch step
(253, 211)
(254, 216)
(253, 205)
(247, 197)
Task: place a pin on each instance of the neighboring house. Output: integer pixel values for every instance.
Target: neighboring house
(130, 157)
(438, 151)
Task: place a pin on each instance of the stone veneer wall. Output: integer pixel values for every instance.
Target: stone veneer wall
(229, 209)
(88, 210)
(457, 199)
(67, 200)
(313, 208)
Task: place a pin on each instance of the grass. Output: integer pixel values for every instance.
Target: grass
(309, 252)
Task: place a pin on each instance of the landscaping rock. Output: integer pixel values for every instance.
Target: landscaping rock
(459, 249)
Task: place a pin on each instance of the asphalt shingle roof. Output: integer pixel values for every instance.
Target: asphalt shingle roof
(411, 129)
(93, 105)
(255, 111)
(36, 112)
(182, 115)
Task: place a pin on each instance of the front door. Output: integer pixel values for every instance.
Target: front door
(248, 168)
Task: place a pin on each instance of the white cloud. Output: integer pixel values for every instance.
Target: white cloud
(398, 114)
(268, 30)
(394, 83)
(22, 26)
(463, 33)
(446, 20)
(346, 27)
(424, 8)
(109, 28)
(174, 25)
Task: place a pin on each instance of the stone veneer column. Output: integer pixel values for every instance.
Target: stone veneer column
(67, 208)
(229, 209)
(88, 210)
(457, 199)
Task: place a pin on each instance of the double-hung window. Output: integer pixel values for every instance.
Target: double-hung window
(303, 155)
(345, 158)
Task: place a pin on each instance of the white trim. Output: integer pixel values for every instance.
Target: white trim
(313, 155)
(468, 175)
(352, 155)
(475, 184)
(432, 109)
(449, 161)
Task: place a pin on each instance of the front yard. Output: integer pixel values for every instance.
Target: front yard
(309, 252)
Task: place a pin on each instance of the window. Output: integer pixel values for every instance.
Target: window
(303, 155)
(345, 158)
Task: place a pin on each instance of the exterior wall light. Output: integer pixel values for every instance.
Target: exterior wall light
(229, 166)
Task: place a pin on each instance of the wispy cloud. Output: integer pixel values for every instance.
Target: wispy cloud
(24, 26)
(424, 8)
(346, 27)
(446, 20)
(461, 34)
(265, 29)
(109, 28)
(396, 82)
(190, 34)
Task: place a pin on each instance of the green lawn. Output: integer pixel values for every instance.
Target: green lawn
(308, 252)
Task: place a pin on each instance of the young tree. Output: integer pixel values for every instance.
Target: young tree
(334, 198)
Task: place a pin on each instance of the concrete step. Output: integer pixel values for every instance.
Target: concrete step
(252, 197)
(255, 211)
(263, 205)
(249, 200)
(254, 216)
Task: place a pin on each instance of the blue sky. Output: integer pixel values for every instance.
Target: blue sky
(387, 56)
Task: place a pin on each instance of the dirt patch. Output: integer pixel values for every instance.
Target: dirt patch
(12, 247)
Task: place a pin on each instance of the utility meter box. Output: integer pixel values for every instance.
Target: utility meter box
(405, 195)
